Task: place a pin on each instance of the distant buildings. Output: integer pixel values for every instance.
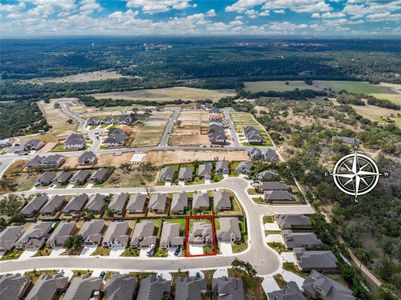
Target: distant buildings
(75, 142)
(131, 119)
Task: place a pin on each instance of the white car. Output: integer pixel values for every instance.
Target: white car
(151, 250)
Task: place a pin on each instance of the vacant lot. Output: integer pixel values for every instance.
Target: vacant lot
(378, 114)
(357, 87)
(186, 131)
(15, 179)
(242, 120)
(87, 112)
(279, 86)
(121, 178)
(167, 94)
(81, 77)
(103, 160)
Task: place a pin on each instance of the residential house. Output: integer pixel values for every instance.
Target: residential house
(221, 200)
(201, 233)
(300, 239)
(205, 171)
(100, 175)
(9, 236)
(87, 158)
(253, 135)
(267, 175)
(4, 143)
(319, 286)
(278, 196)
(136, 204)
(222, 167)
(96, 203)
(120, 287)
(62, 232)
(117, 203)
(46, 179)
(80, 177)
(116, 234)
(346, 140)
(52, 206)
(190, 288)
(179, 203)
(315, 260)
(244, 168)
(154, 288)
(129, 120)
(34, 163)
(186, 174)
(47, 287)
(52, 161)
(33, 145)
(200, 200)
(116, 138)
(143, 234)
(293, 221)
(166, 174)
(170, 236)
(35, 236)
(157, 203)
(290, 291)
(214, 110)
(217, 133)
(229, 230)
(92, 232)
(34, 206)
(13, 286)
(108, 120)
(75, 142)
(229, 288)
(63, 178)
(255, 154)
(83, 288)
(273, 185)
(93, 121)
(75, 205)
(267, 154)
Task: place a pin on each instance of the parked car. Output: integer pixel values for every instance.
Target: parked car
(151, 250)
(102, 274)
(177, 251)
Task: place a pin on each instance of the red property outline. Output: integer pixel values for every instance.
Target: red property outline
(187, 254)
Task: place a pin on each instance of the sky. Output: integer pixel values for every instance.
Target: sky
(320, 18)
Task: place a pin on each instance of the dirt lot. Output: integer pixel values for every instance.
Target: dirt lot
(14, 179)
(188, 133)
(175, 157)
(87, 112)
(82, 77)
(104, 160)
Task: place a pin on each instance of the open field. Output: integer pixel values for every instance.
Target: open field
(188, 132)
(103, 160)
(279, 86)
(81, 77)
(379, 114)
(167, 94)
(395, 98)
(14, 179)
(180, 156)
(87, 112)
(242, 120)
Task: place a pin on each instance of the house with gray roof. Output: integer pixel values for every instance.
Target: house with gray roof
(143, 234)
(136, 203)
(82, 288)
(100, 175)
(319, 286)
(253, 135)
(47, 287)
(34, 163)
(117, 203)
(166, 174)
(33, 144)
(190, 288)
(244, 168)
(129, 120)
(266, 154)
(52, 206)
(255, 154)
(216, 133)
(46, 179)
(202, 234)
(116, 138)
(80, 177)
(278, 196)
(267, 175)
(92, 232)
(96, 203)
(63, 178)
(293, 221)
(300, 239)
(120, 287)
(270, 154)
(179, 203)
(157, 203)
(35, 236)
(170, 236)
(62, 232)
(205, 171)
(290, 291)
(93, 121)
(13, 286)
(116, 234)
(75, 205)
(52, 161)
(108, 120)
(346, 140)
(87, 158)
(222, 167)
(75, 142)
(200, 200)
(273, 185)
(229, 230)
(33, 207)
(154, 288)
(315, 260)
(186, 174)
(9, 236)
(221, 200)
(229, 288)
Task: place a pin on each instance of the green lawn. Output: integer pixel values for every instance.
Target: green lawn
(12, 254)
(130, 252)
(357, 87)
(180, 221)
(268, 219)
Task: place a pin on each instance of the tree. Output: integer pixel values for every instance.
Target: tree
(74, 242)
(246, 267)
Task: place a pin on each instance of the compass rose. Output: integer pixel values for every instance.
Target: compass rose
(356, 174)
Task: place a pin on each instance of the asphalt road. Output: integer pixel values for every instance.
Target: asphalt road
(169, 127)
(234, 135)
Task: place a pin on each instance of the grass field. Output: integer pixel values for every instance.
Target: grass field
(395, 98)
(167, 94)
(378, 114)
(242, 120)
(279, 86)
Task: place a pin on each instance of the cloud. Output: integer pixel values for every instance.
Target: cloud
(211, 13)
(157, 6)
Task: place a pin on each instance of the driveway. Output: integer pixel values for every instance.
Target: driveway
(289, 276)
(116, 251)
(220, 273)
(88, 250)
(142, 253)
(226, 248)
(57, 251)
(28, 253)
(274, 238)
(195, 249)
(271, 226)
(269, 284)
(288, 257)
